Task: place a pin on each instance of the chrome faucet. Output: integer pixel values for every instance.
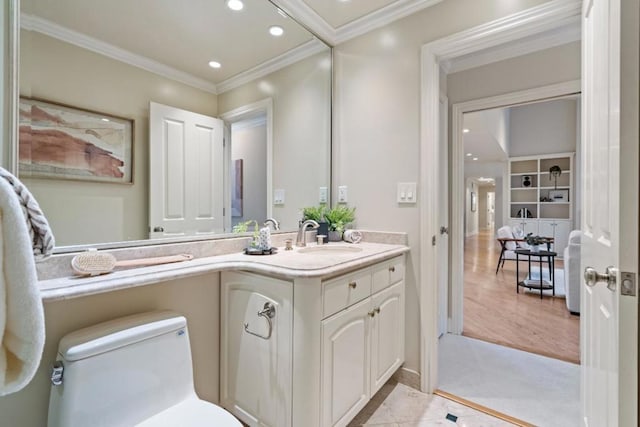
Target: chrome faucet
(274, 222)
(301, 240)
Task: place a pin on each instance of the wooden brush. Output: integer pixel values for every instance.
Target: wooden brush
(93, 263)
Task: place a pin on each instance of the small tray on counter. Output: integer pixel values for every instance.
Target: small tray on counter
(255, 251)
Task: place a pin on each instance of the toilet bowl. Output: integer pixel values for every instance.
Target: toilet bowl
(132, 371)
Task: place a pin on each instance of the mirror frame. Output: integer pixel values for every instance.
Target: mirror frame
(9, 154)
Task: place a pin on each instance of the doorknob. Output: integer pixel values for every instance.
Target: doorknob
(591, 277)
(444, 230)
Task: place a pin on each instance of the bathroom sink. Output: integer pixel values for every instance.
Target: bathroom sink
(330, 250)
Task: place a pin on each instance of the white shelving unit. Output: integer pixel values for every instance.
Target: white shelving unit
(538, 202)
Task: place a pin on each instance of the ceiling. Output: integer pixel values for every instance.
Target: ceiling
(483, 138)
(179, 38)
(340, 12)
(184, 35)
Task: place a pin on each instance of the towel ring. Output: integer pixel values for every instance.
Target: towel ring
(268, 312)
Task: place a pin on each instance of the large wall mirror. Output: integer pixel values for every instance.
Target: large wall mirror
(94, 61)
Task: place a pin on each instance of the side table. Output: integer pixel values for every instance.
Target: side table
(543, 256)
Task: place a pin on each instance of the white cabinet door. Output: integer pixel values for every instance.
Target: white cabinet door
(387, 335)
(255, 370)
(561, 236)
(559, 230)
(526, 225)
(345, 364)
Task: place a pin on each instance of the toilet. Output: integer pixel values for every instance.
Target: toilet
(132, 371)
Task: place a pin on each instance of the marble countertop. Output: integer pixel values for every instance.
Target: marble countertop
(283, 264)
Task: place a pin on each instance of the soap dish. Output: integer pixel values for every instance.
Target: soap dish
(255, 251)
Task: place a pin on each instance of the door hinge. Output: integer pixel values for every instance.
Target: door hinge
(433, 240)
(628, 281)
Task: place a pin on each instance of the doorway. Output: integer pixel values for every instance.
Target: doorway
(249, 159)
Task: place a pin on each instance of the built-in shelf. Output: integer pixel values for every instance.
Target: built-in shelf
(531, 182)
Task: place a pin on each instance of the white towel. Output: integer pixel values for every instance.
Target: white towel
(37, 225)
(352, 236)
(21, 311)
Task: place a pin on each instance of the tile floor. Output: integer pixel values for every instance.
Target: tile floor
(398, 405)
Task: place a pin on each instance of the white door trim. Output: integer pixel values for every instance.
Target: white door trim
(264, 106)
(530, 22)
(457, 177)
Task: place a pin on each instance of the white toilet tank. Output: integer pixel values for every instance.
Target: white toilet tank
(122, 372)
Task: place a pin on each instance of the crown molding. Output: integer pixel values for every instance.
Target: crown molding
(294, 55)
(380, 18)
(530, 22)
(34, 23)
(309, 18)
(568, 33)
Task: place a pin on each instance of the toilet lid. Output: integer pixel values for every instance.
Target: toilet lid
(192, 413)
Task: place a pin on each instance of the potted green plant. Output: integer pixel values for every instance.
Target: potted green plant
(339, 218)
(243, 227)
(534, 242)
(317, 213)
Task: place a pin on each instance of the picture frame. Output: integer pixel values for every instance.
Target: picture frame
(59, 141)
(474, 201)
(559, 195)
(236, 190)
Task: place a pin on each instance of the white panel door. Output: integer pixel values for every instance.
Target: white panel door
(186, 173)
(345, 364)
(387, 335)
(608, 319)
(256, 370)
(443, 220)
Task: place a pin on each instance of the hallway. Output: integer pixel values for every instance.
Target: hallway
(494, 312)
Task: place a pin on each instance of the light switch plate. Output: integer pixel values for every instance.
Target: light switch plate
(407, 192)
(342, 194)
(278, 196)
(323, 195)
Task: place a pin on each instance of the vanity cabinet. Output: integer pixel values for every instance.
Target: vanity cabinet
(363, 345)
(333, 344)
(256, 356)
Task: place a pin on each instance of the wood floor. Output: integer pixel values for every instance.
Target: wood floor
(494, 312)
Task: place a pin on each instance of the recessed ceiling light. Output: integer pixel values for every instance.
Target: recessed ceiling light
(465, 130)
(235, 4)
(469, 154)
(214, 64)
(276, 30)
(475, 158)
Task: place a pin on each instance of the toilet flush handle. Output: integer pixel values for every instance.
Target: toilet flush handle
(57, 372)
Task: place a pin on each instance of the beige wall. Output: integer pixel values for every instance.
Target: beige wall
(546, 67)
(377, 122)
(543, 128)
(81, 212)
(197, 298)
(301, 130)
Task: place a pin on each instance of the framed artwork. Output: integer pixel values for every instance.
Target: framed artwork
(236, 190)
(63, 142)
(474, 201)
(559, 195)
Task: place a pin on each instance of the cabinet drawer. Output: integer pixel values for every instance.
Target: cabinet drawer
(388, 273)
(345, 290)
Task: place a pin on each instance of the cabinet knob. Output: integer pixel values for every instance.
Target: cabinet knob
(371, 313)
(353, 285)
(377, 310)
(392, 269)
